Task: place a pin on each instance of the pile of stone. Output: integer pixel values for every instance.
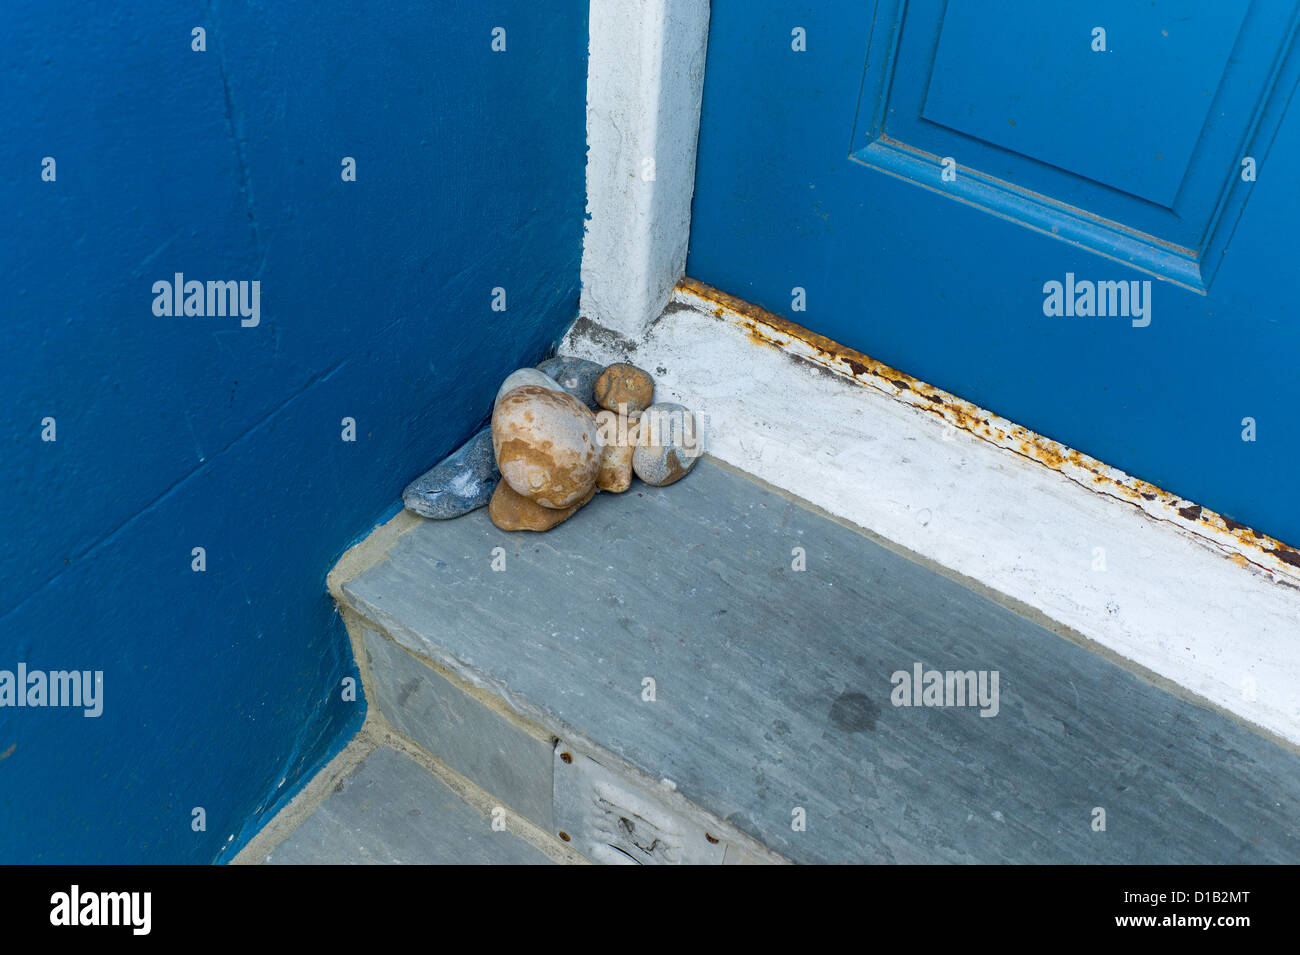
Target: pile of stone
(560, 432)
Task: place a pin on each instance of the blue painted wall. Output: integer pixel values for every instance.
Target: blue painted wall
(222, 688)
(954, 296)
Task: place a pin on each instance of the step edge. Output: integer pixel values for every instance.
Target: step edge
(518, 708)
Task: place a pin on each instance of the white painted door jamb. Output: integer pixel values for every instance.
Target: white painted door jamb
(645, 82)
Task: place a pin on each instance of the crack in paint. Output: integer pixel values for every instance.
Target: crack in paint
(245, 180)
(171, 489)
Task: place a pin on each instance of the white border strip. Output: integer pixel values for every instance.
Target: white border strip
(1171, 598)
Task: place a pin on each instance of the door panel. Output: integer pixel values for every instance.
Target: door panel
(1019, 75)
(1132, 151)
(945, 279)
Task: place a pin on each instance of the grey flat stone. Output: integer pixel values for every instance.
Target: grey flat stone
(577, 376)
(481, 744)
(460, 483)
(391, 811)
(774, 687)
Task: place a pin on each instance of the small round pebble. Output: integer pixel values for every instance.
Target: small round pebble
(668, 444)
(627, 386)
(617, 438)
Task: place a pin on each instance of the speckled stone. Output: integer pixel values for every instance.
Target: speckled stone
(577, 376)
(545, 445)
(525, 376)
(514, 512)
(668, 444)
(617, 438)
(626, 385)
(458, 484)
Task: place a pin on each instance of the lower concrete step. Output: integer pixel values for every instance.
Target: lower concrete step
(391, 810)
(715, 672)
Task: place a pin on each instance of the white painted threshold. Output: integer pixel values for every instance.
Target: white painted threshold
(1203, 606)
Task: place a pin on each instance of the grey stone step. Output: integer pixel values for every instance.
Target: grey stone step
(773, 697)
(390, 810)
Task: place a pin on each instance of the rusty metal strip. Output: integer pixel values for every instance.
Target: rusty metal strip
(1242, 545)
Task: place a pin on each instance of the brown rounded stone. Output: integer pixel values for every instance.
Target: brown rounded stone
(545, 445)
(514, 512)
(617, 438)
(625, 385)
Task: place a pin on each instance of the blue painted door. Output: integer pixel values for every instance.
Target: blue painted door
(1080, 216)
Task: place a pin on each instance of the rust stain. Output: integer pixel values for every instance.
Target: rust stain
(1284, 553)
(9, 752)
(771, 330)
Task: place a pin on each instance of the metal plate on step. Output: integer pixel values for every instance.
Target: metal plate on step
(612, 818)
